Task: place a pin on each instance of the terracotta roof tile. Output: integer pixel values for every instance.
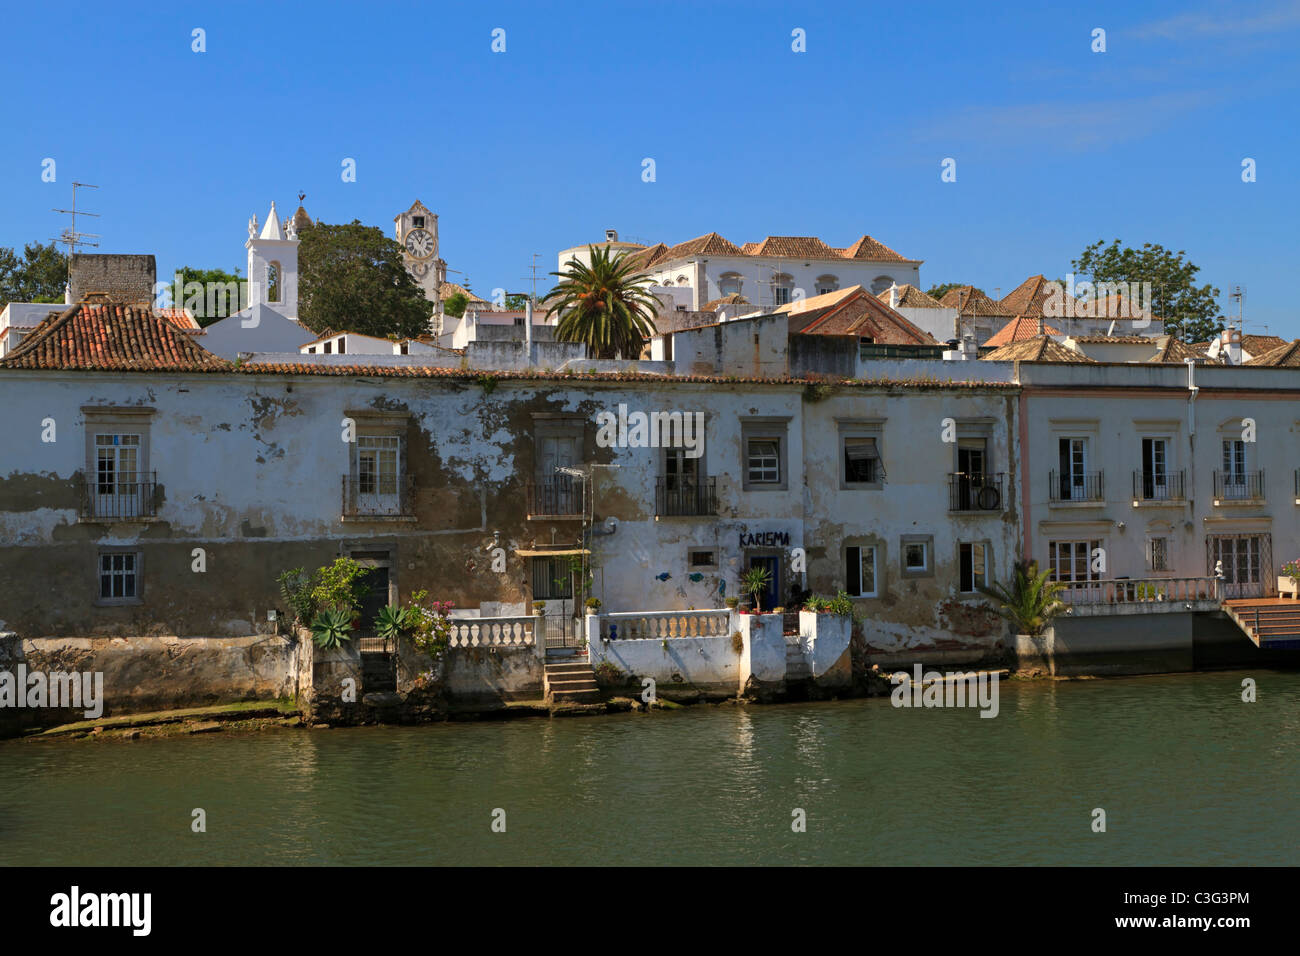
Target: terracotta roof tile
(794, 247)
(735, 298)
(971, 302)
(1176, 351)
(1020, 329)
(1260, 344)
(1041, 348)
(853, 311)
(110, 337)
(448, 289)
(1286, 355)
(711, 244)
(873, 250)
(1028, 297)
(910, 297)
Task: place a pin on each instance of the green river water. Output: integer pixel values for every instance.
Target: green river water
(1186, 772)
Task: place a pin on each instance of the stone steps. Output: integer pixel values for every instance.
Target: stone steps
(572, 683)
(378, 672)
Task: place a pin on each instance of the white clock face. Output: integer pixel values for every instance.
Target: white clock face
(419, 243)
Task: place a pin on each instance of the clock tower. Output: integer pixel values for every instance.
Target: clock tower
(417, 231)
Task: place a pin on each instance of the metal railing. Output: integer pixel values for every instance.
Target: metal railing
(686, 496)
(1139, 590)
(1239, 485)
(1158, 486)
(974, 492)
(664, 625)
(132, 495)
(1077, 486)
(556, 496)
(378, 496)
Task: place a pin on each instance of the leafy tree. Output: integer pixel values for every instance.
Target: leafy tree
(607, 305)
(352, 278)
(1031, 601)
(220, 296)
(1189, 311)
(939, 291)
(516, 303)
(40, 274)
(455, 304)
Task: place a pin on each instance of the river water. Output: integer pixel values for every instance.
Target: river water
(1186, 772)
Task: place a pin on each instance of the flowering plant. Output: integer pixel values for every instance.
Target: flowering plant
(429, 623)
(1292, 570)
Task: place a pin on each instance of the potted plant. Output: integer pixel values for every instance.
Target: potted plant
(1288, 582)
(539, 608)
(593, 605)
(754, 582)
(732, 602)
(816, 604)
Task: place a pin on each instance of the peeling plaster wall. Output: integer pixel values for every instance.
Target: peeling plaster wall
(250, 470)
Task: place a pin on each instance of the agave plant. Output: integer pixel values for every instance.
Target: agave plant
(606, 305)
(1030, 602)
(392, 622)
(331, 628)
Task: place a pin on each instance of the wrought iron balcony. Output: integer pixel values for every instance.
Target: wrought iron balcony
(378, 496)
(1238, 485)
(557, 496)
(974, 492)
(1158, 486)
(685, 496)
(1077, 486)
(127, 496)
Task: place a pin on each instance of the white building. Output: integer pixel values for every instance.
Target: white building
(778, 270)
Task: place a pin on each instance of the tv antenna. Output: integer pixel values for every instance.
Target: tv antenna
(70, 236)
(533, 277)
(1238, 295)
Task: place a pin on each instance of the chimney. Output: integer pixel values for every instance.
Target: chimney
(1230, 339)
(611, 235)
(893, 295)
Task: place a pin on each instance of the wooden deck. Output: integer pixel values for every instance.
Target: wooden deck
(1269, 622)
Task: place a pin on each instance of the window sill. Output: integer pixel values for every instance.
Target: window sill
(1239, 502)
(1159, 502)
(365, 519)
(123, 602)
(1076, 504)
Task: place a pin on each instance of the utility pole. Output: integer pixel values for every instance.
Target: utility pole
(533, 277)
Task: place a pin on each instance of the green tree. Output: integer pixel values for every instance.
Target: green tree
(40, 274)
(1190, 312)
(455, 304)
(222, 293)
(939, 291)
(352, 278)
(516, 303)
(607, 305)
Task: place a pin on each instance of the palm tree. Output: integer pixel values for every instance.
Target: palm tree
(605, 305)
(1031, 602)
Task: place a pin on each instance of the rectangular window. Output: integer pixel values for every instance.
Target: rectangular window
(119, 576)
(916, 556)
(764, 461)
(552, 580)
(702, 558)
(328, 348)
(860, 571)
(378, 464)
(1072, 560)
(343, 346)
(861, 460)
(973, 569)
(782, 295)
(1158, 554)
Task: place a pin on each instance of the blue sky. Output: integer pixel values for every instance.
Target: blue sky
(541, 147)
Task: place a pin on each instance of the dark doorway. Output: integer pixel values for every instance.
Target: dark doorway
(771, 597)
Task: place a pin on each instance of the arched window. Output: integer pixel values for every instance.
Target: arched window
(827, 283)
(881, 283)
(273, 282)
(682, 280)
(729, 283)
